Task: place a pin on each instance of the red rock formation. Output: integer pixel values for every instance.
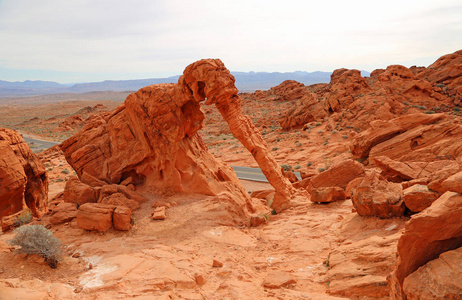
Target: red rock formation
(441, 277)
(344, 86)
(122, 218)
(310, 109)
(446, 73)
(288, 90)
(70, 123)
(152, 140)
(428, 234)
(79, 192)
(382, 131)
(339, 174)
(375, 196)
(398, 171)
(63, 212)
(418, 197)
(327, 194)
(24, 182)
(353, 101)
(453, 183)
(95, 216)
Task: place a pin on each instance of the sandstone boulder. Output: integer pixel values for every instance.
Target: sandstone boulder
(381, 131)
(95, 216)
(119, 199)
(158, 213)
(375, 196)
(428, 234)
(63, 212)
(398, 171)
(24, 181)
(453, 183)
(78, 192)
(122, 218)
(418, 197)
(339, 175)
(327, 194)
(438, 177)
(426, 142)
(15, 220)
(437, 279)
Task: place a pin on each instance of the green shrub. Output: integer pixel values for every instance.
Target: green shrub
(23, 218)
(286, 167)
(36, 239)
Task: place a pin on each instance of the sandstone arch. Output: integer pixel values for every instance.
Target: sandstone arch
(152, 139)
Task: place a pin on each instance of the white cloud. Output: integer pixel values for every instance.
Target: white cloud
(162, 37)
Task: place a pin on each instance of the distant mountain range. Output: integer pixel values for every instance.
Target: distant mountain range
(245, 82)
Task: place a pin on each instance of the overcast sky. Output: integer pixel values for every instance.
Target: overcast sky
(94, 40)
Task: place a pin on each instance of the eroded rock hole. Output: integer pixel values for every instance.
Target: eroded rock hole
(201, 86)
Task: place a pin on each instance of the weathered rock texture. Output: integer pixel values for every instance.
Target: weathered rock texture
(438, 279)
(339, 175)
(23, 179)
(152, 140)
(375, 196)
(428, 234)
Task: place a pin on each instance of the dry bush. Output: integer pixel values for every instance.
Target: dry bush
(36, 239)
(25, 217)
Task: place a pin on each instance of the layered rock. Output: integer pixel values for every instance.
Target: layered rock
(344, 86)
(441, 277)
(63, 212)
(95, 216)
(428, 234)
(310, 109)
(382, 131)
(446, 74)
(398, 171)
(152, 140)
(353, 102)
(24, 182)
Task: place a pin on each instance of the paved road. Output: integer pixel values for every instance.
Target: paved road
(246, 173)
(39, 145)
(254, 174)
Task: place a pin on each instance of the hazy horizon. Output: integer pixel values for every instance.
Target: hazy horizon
(78, 41)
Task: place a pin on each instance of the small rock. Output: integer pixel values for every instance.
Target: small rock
(257, 220)
(327, 194)
(159, 213)
(90, 266)
(200, 280)
(122, 218)
(76, 255)
(217, 264)
(278, 279)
